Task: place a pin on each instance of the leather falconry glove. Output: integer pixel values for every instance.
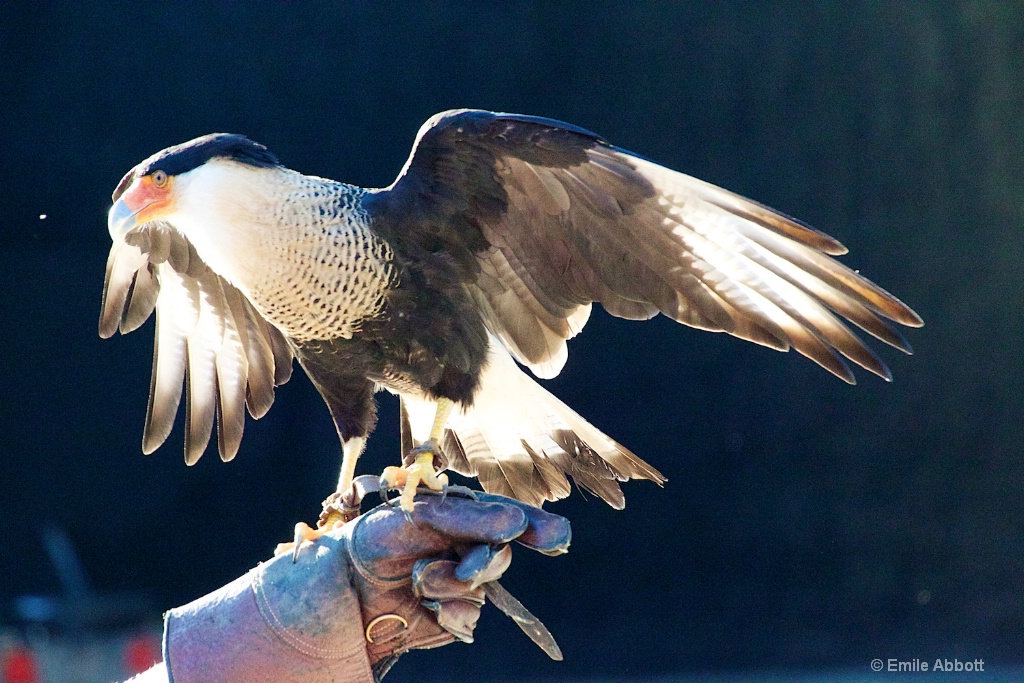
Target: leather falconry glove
(363, 594)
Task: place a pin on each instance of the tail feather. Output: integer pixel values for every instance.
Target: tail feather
(523, 442)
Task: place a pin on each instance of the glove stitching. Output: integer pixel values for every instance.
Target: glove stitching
(281, 631)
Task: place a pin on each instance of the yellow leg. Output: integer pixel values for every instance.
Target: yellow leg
(351, 450)
(421, 470)
(444, 410)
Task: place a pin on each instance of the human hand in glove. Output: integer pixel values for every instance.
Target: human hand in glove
(362, 595)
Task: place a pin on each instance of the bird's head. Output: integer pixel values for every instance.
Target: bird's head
(175, 181)
(212, 190)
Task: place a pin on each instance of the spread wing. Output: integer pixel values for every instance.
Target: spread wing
(544, 218)
(208, 336)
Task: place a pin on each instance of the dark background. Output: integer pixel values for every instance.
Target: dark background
(805, 523)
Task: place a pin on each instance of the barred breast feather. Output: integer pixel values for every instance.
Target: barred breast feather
(325, 270)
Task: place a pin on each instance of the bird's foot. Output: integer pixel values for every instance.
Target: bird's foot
(419, 471)
(335, 513)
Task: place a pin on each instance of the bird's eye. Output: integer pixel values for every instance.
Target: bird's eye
(159, 178)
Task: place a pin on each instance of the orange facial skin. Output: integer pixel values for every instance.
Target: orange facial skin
(149, 197)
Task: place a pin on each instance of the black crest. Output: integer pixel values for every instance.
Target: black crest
(194, 153)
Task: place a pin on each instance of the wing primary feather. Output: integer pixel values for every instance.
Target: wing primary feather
(160, 240)
(797, 304)
(837, 275)
(837, 297)
(282, 353)
(803, 338)
(141, 299)
(164, 390)
(232, 377)
(755, 212)
(123, 262)
(754, 292)
(200, 409)
(259, 395)
(169, 358)
(178, 255)
(201, 378)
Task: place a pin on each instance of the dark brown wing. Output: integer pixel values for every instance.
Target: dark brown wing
(208, 336)
(544, 218)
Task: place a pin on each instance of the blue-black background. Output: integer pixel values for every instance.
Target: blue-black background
(805, 523)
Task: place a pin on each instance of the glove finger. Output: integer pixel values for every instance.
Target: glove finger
(458, 617)
(545, 532)
(384, 544)
(483, 563)
(469, 521)
(456, 606)
(436, 580)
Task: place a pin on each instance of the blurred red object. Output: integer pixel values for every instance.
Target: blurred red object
(18, 665)
(141, 652)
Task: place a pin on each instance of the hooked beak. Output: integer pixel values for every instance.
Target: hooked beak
(141, 203)
(120, 220)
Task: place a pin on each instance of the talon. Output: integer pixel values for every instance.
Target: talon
(298, 537)
(393, 477)
(303, 533)
(419, 471)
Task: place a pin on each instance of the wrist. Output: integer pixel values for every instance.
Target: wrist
(279, 622)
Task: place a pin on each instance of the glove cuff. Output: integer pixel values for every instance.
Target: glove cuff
(280, 622)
